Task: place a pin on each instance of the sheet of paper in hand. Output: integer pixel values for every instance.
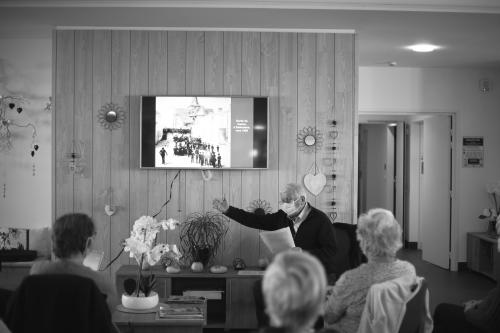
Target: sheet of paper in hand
(278, 240)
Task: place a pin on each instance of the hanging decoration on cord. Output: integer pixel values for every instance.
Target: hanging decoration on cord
(11, 105)
(315, 181)
(259, 207)
(309, 139)
(111, 116)
(75, 156)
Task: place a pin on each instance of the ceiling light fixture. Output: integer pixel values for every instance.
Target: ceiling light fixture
(423, 47)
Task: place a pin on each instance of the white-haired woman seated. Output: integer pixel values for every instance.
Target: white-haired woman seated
(379, 236)
(294, 287)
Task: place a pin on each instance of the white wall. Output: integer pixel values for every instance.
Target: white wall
(409, 90)
(26, 70)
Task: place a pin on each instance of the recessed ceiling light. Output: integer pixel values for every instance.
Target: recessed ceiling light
(423, 47)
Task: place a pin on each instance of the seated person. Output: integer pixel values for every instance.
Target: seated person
(72, 236)
(379, 236)
(294, 287)
(473, 316)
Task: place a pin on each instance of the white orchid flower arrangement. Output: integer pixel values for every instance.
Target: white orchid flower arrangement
(493, 212)
(142, 246)
(141, 243)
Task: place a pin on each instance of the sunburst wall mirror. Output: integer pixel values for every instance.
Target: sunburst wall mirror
(309, 139)
(111, 116)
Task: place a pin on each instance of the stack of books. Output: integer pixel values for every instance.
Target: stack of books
(182, 308)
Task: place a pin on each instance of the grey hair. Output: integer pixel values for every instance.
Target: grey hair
(295, 190)
(379, 234)
(294, 286)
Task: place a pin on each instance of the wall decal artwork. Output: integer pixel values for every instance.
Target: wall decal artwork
(10, 106)
(111, 116)
(259, 207)
(309, 139)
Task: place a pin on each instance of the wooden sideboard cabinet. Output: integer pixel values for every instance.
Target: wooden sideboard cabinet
(232, 305)
(482, 254)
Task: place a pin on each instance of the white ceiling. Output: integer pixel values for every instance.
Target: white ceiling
(468, 30)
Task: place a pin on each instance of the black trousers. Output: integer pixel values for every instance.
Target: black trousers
(450, 318)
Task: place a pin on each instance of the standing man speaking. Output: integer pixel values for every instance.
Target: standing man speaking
(311, 229)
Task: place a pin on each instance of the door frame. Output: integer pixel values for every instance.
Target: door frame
(416, 116)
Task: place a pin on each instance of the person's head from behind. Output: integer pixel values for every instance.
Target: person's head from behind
(72, 235)
(294, 288)
(292, 199)
(379, 234)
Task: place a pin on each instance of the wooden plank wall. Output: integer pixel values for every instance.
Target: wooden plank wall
(309, 78)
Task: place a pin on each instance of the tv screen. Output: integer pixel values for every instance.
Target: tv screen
(204, 132)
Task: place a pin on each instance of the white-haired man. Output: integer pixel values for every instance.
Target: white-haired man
(311, 229)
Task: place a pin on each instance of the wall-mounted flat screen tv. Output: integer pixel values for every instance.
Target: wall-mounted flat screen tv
(204, 132)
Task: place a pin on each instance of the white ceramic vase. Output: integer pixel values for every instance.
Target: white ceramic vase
(140, 303)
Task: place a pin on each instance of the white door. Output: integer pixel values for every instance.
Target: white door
(435, 213)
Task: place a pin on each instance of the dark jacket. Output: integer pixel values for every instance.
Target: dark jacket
(486, 314)
(315, 234)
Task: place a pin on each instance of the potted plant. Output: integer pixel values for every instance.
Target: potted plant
(201, 236)
(143, 248)
(492, 214)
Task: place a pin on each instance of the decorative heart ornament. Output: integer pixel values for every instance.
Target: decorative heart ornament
(110, 210)
(315, 183)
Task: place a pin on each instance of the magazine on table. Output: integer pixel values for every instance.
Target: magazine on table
(177, 299)
(168, 311)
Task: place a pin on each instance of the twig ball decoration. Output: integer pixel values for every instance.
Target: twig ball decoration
(259, 207)
(309, 139)
(111, 116)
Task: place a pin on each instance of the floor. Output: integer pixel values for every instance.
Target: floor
(446, 286)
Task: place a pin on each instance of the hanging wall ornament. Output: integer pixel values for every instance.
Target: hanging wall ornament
(74, 157)
(10, 109)
(309, 139)
(111, 116)
(259, 207)
(316, 181)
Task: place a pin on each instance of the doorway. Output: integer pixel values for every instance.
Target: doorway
(406, 166)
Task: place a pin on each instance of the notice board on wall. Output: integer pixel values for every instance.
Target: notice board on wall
(473, 152)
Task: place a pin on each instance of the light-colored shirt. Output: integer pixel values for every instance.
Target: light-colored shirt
(297, 221)
(71, 267)
(346, 303)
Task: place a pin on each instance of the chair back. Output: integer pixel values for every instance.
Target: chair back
(416, 310)
(5, 295)
(349, 253)
(58, 303)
